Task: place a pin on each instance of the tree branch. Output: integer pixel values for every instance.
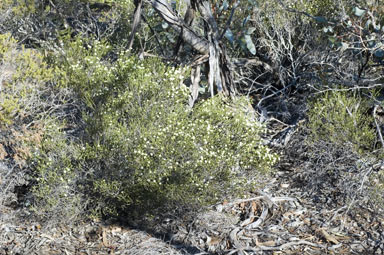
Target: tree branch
(136, 22)
(189, 36)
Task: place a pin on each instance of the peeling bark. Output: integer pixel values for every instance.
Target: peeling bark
(177, 23)
(219, 77)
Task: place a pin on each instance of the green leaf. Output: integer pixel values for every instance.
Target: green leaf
(368, 23)
(253, 3)
(250, 30)
(170, 37)
(229, 35)
(250, 45)
(224, 6)
(328, 29)
(245, 21)
(320, 19)
(379, 53)
(358, 12)
(371, 44)
(344, 46)
(202, 90)
(332, 39)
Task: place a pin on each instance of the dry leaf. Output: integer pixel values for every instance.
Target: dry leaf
(116, 230)
(247, 221)
(267, 243)
(254, 207)
(105, 240)
(328, 237)
(3, 152)
(213, 240)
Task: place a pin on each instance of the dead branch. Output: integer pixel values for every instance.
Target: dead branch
(136, 22)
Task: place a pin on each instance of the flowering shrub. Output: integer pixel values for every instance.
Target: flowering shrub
(56, 191)
(145, 146)
(166, 152)
(141, 144)
(325, 8)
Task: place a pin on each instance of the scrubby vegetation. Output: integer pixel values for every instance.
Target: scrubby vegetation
(141, 144)
(121, 110)
(342, 120)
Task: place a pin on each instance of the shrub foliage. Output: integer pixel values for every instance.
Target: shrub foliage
(143, 146)
(342, 119)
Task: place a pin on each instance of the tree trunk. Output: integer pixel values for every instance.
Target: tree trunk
(219, 77)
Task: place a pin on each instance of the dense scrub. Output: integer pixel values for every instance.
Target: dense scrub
(342, 119)
(342, 150)
(141, 146)
(89, 126)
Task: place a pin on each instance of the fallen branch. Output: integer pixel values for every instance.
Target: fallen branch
(287, 245)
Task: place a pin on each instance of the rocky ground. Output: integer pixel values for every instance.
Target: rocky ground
(285, 217)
